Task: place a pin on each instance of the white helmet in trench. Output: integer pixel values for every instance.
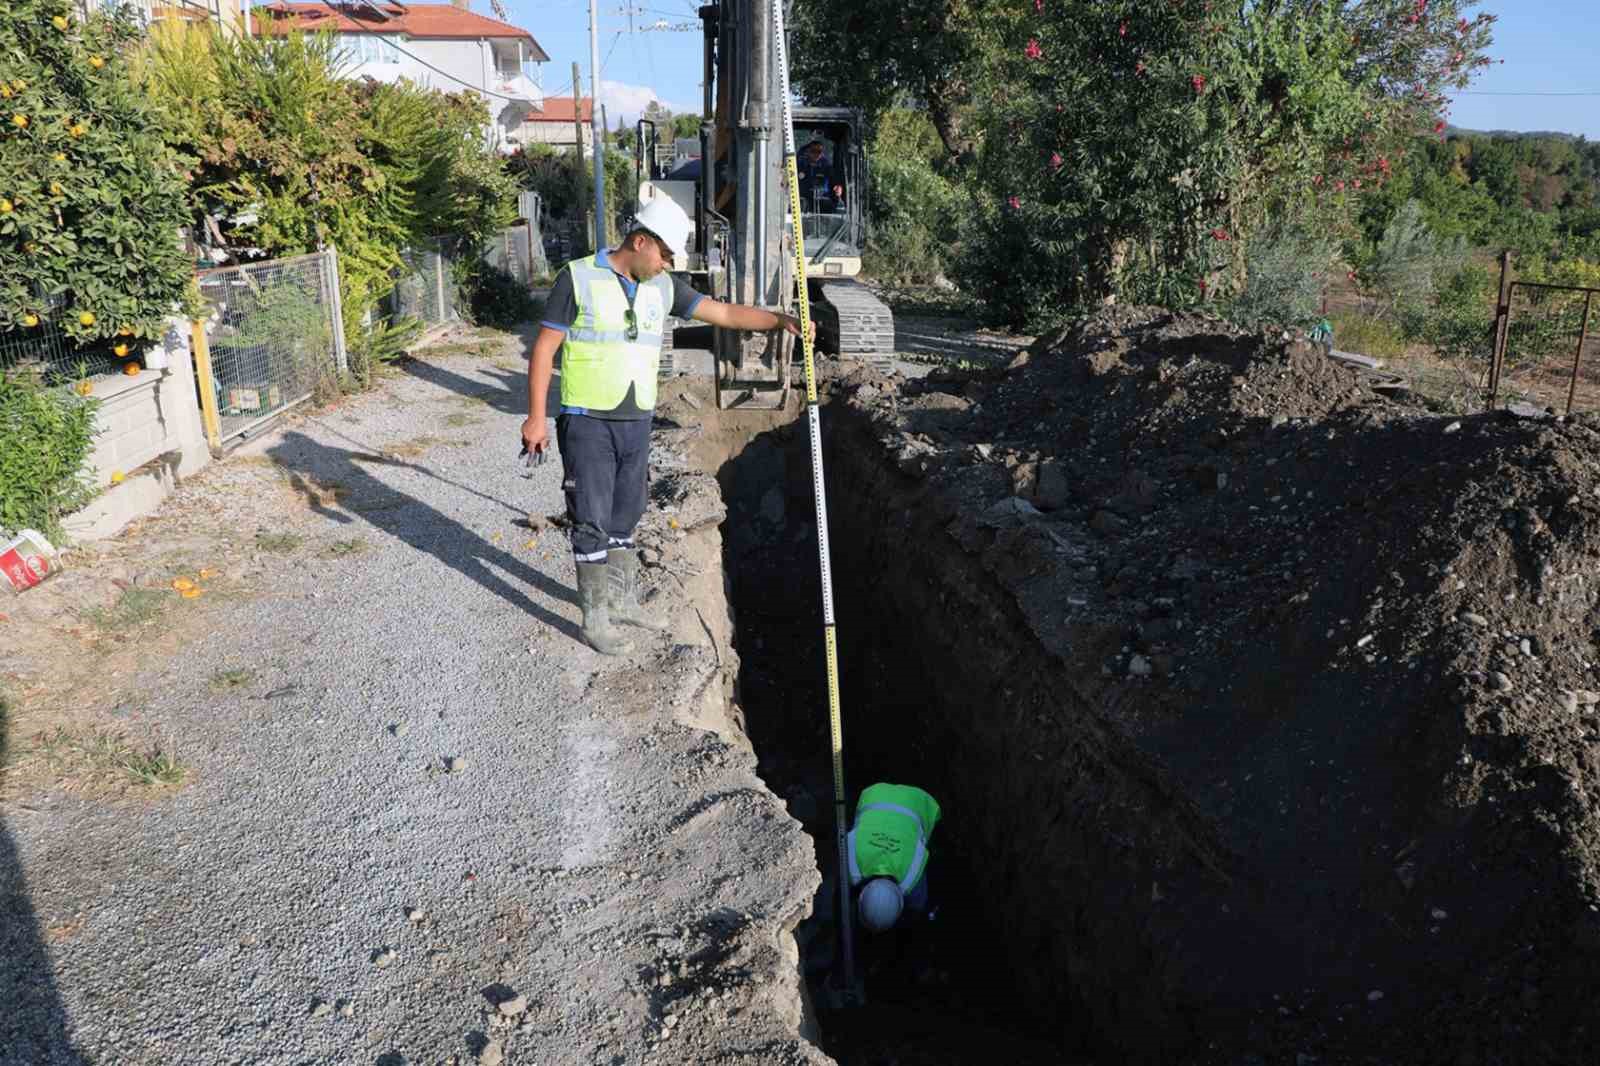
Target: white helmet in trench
(663, 217)
(881, 901)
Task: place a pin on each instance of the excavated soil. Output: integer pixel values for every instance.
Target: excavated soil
(1262, 705)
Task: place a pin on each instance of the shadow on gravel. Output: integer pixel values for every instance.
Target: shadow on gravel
(510, 395)
(425, 528)
(33, 1020)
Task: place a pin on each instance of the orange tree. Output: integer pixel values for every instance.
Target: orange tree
(91, 199)
(1134, 148)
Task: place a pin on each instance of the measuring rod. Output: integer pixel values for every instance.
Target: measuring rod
(830, 637)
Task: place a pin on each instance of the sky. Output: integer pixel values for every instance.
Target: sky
(635, 67)
(1544, 46)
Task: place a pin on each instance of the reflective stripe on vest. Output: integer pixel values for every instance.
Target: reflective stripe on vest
(598, 361)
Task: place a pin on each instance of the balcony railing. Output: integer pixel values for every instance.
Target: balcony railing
(224, 13)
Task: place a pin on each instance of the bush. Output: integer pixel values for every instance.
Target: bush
(1284, 271)
(91, 198)
(1460, 322)
(914, 209)
(47, 432)
(1406, 266)
(494, 297)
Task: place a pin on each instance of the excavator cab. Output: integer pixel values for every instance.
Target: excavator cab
(833, 189)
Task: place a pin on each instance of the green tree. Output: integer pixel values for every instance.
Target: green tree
(930, 52)
(1132, 148)
(91, 197)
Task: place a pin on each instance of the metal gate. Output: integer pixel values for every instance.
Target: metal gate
(1535, 325)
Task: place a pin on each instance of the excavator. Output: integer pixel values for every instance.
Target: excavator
(739, 204)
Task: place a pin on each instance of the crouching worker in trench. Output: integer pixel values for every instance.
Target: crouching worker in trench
(889, 853)
(606, 313)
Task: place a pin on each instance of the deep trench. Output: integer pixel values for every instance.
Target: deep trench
(949, 990)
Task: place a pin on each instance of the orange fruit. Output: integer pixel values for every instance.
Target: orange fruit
(84, 387)
(60, 157)
(30, 319)
(5, 91)
(124, 331)
(208, 573)
(86, 318)
(55, 188)
(20, 121)
(78, 129)
(121, 350)
(19, 85)
(96, 62)
(59, 22)
(117, 477)
(5, 207)
(190, 594)
(182, 584)
(132, 369)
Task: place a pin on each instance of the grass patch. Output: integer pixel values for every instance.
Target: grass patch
(411, 449)
(230, 679)
(1365, 335)
(135, 606)
(461, 418)
(279, 542)
(104, 752)
(341, 548)
(155, 767)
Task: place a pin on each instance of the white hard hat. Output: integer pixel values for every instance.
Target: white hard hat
(881, 901)
(663, 217)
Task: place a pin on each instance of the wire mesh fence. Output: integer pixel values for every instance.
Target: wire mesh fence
(43, 347)
(425, 289)
(276, 336)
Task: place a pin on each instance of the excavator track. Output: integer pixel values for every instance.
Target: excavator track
(853, 323)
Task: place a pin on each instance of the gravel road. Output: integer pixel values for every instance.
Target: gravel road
(432, 826)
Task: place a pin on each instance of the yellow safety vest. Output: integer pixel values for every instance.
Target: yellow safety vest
(598, 361)
(890, 838)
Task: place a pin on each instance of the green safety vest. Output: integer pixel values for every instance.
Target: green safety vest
(890, 838)
(598, 361)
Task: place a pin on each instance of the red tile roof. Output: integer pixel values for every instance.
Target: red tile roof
(559, 109)
(413, 20)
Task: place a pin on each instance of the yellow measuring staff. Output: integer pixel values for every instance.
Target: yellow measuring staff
(814, 427)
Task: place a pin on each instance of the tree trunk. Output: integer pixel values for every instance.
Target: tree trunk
(944, 110)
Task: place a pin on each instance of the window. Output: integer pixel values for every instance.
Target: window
(371, 48)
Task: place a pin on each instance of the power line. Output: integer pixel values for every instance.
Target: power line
(1524, 92)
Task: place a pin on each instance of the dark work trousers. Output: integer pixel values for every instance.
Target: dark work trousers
(604, 466)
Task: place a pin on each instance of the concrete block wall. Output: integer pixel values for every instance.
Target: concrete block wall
(149, 432)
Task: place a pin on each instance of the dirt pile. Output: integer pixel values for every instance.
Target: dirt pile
(1265, 704)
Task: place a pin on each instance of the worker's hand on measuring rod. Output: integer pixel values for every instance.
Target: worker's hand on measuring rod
(791, 324)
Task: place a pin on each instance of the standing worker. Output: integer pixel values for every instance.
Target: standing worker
(606, 313)
(889, 853)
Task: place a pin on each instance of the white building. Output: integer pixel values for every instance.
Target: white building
(441, 46)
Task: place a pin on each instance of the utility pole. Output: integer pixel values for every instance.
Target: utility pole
(597, 130)
(603, 130)
(577, 142)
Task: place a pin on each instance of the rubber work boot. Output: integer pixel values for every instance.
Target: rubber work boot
(593, 593)
(623, 564)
